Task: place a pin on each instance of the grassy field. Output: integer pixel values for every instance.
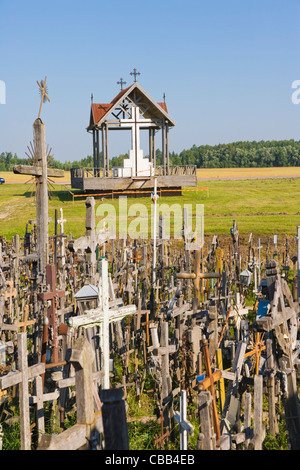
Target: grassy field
(263, 207)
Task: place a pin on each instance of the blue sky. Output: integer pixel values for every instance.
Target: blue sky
(226, 67)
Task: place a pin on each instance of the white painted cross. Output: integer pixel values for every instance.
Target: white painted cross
(185, 427)
(259, 248)
(103, 316)
(62, 241)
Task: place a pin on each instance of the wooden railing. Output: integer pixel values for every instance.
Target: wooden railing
(180, 170)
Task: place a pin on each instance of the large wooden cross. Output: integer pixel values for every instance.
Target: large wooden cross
(41, 173)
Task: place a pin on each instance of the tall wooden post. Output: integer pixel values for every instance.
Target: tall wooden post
(42, 193)
(41, 172)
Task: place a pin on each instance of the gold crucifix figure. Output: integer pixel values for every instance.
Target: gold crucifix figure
(43, 91)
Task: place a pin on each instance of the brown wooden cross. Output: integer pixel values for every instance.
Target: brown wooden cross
(160, 440)
(23, 324)
(208, 383)
(197, 275)
(53, 296)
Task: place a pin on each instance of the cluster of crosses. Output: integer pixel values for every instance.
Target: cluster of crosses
(87, 322)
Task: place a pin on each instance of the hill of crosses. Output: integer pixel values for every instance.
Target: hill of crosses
(188, 339)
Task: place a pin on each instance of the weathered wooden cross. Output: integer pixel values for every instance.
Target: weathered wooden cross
(103, 315)
(21, 377)
(91, 240)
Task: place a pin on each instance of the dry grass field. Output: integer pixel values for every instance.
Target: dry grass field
(10, 177)
(202, 173)
(213, 173)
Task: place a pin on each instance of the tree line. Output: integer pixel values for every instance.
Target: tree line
(277, 153)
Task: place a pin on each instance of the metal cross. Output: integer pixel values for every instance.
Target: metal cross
(121, 82)
(135, 73)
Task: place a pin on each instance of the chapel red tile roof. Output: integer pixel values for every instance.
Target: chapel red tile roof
(163, 106)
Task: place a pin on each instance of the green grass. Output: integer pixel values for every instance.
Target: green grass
(263, 207)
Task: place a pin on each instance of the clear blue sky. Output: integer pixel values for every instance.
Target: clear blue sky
(226, 67)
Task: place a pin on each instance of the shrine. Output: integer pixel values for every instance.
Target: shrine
(135, 111)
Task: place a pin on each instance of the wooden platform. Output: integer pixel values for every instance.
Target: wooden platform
(83, 180)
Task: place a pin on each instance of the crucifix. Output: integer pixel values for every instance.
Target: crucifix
(135, 73)
(121, 82)
(41, 173)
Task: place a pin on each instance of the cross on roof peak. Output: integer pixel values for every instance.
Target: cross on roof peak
(135, 73)
(121, 82)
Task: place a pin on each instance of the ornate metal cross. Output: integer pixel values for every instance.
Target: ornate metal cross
(135, 73)
(121, 82)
